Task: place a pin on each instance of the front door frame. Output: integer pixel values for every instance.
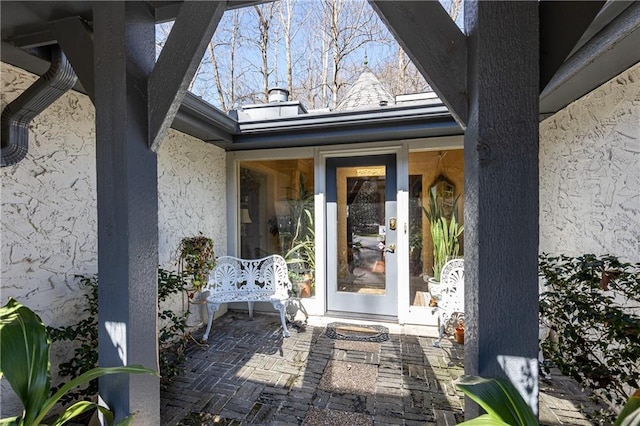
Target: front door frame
(322, 226)
(316, 306)
(366, 304)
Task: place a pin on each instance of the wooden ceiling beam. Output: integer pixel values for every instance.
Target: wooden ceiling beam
(435, 44)
(177, 64)
(75, 39)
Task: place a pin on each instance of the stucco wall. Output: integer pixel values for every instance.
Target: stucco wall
(49, 216)
(590, 173)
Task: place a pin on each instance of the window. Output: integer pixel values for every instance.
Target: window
(276, 209)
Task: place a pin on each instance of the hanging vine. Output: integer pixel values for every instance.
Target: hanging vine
(197, 258)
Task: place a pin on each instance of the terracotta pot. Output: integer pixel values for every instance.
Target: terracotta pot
(458, 335)
(305, 288)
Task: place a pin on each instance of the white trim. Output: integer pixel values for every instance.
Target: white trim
(233, 205)
(402, 236)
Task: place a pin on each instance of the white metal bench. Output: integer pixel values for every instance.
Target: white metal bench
(451, 301)
(248, 280)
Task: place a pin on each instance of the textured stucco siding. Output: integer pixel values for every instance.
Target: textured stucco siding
(590, 173)
(49, 217)
(191, 192)
(49, 210)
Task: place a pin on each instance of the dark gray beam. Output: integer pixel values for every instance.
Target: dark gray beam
(127, 195)
(178, 62)
(562, 24)
(168, 10)
(74, 37)
(501, 195)
(610, 52)
(436, 46)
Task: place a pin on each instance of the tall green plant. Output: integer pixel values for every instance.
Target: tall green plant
(25, 364)
(584, 302)
(445, 231)
(298, 240)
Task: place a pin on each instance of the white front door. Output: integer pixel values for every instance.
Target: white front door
(361, 235)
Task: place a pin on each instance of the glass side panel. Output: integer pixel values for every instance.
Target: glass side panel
(361, 230)
(440, 173)
(276, 208)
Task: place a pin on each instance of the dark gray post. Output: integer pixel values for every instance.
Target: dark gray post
(124, 46)
(501, 194)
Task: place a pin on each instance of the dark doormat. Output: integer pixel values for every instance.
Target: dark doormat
(357, 332)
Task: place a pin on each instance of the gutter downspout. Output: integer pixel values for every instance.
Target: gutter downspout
(16, 116)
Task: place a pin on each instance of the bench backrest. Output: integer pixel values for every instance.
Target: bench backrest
(452, 280)
(235, 279)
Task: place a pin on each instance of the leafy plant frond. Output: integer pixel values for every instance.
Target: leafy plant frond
(499, 398)
(25, 364)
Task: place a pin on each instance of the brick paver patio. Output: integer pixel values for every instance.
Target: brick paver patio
(249, 374)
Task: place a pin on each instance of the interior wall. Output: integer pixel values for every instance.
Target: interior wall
(590, 173)
(49, 211)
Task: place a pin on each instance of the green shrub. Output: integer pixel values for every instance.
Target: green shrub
(172, 340)
(592, 304)
(85, 333)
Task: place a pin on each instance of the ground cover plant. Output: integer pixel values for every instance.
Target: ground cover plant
(593, 305)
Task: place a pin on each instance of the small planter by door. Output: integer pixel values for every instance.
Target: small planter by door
(458, 335)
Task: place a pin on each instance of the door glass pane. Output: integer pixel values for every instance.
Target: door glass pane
(361, 229)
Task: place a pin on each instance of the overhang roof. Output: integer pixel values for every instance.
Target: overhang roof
(577, 55)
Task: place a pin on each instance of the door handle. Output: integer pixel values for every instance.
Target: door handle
(391, 248)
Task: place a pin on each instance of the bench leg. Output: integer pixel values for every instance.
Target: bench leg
(250, 310)
(280, 307)
(211, 310)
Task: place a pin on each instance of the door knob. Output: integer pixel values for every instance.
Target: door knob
(391, 248)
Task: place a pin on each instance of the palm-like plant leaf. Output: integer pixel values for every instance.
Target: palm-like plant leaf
(25, 364)
(86, 377)
(630, 414)
(499, 398)
(25, 356)
(484, 420)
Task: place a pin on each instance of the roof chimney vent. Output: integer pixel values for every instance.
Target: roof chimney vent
(278, 94)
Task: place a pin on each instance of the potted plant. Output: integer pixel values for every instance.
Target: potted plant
(445, 232)
(197, 259)
(458, 334)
